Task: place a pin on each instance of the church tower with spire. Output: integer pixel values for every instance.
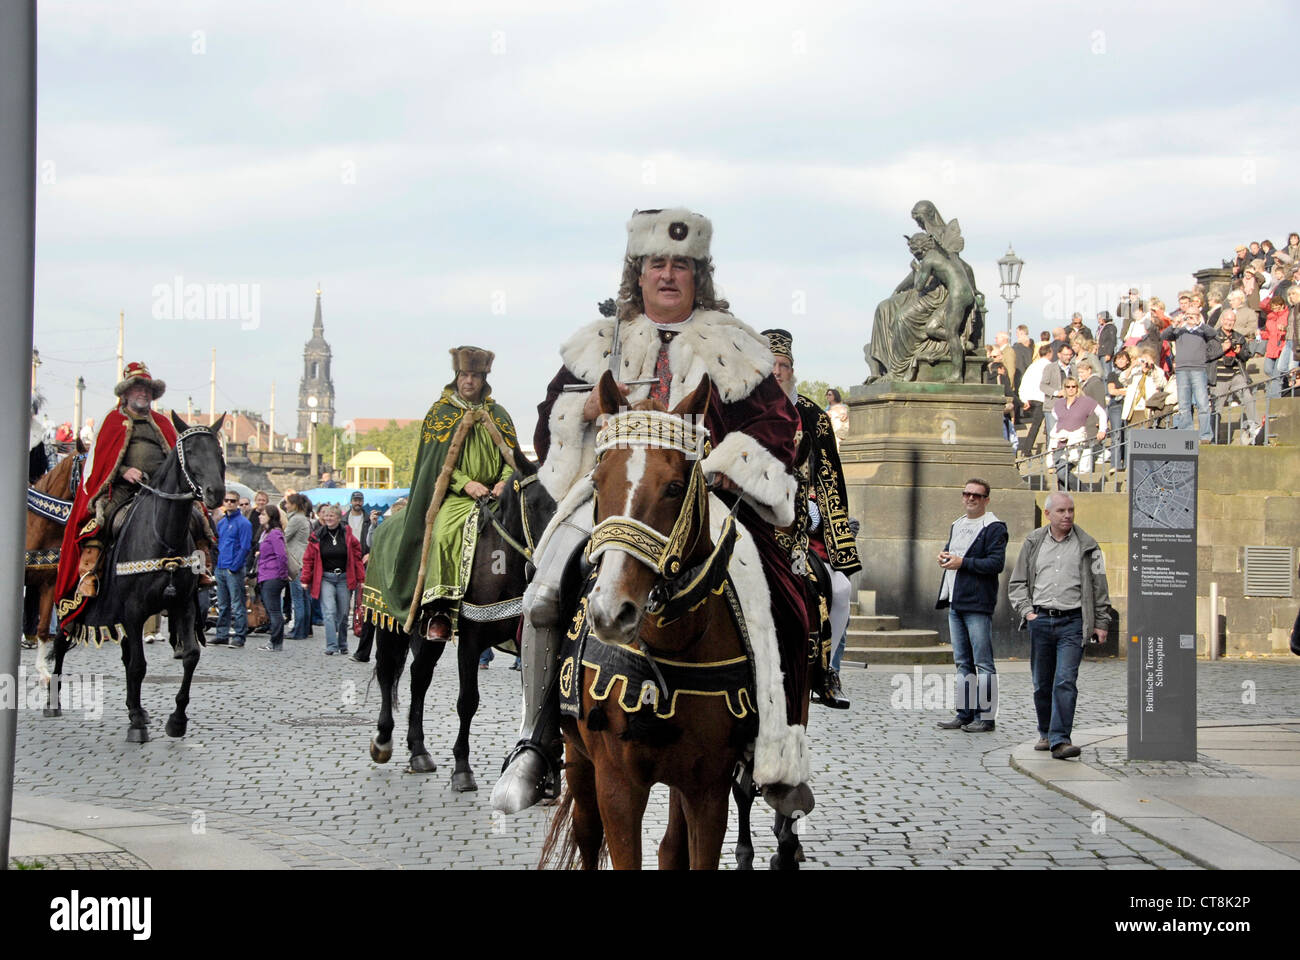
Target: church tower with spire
(316, 380)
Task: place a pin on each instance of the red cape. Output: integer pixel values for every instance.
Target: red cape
(110, 446)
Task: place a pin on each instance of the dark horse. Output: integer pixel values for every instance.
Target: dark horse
(49, 501)
(660, 604)
(489, 616)
(153, 566)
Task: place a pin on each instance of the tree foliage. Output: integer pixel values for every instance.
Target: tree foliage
(399, 444)
(815, 390)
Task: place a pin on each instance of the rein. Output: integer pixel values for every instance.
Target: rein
(194, 492)
(528, 546)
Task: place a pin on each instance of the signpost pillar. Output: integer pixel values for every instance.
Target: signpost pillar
(1162, 595)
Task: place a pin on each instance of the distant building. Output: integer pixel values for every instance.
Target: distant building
(240, 426)
(317, 380)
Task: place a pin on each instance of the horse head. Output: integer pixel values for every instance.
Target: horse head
(202, 462)
(651, 506)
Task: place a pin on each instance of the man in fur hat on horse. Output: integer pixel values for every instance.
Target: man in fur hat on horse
(131, 445)
(467, 450)
(671, 329)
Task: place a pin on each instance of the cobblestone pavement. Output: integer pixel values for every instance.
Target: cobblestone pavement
(277, 755)
(116, 860)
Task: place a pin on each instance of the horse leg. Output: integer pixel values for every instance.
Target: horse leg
(706, 822)
(744, 796)
(422, 664)
(390, 657)
(180, 620)
(53, 706)
(133, 660)
(462, 777)
(787, 843)
(622, 807)
(588, 831)
(674, 848)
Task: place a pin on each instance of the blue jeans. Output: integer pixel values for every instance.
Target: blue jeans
(334, 596)
(977, 677)
(838, 656)
(273, 599)
(1193, 389)
(232, 614)
(1056, 647)
(301, 610)
(1272, 369)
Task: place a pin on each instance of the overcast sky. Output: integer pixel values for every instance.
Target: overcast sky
(463, 173)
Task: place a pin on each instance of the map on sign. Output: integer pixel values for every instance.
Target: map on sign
(1164, 494)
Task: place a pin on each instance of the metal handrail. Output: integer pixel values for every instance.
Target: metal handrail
(1044, 463)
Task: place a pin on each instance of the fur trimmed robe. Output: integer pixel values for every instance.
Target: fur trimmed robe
(753, 429)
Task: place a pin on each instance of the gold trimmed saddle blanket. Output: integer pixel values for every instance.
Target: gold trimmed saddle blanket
(650, 683)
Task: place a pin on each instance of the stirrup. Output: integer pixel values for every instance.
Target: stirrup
(536, 779)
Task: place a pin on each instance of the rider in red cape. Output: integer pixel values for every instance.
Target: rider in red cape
(125, 442)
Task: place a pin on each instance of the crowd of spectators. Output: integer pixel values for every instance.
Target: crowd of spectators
(1084, 387)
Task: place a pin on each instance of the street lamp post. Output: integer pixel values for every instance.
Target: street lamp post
(1009, 268)
(311, 440)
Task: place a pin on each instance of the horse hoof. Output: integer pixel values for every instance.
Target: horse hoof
(176, 727)
(462, 781)
(779, 864)
(798, 854)
(421, 763)
(53, 712)
(137, 734)
(745, 860)
(381, 752)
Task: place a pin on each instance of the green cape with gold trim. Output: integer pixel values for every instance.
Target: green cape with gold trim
(400, 551)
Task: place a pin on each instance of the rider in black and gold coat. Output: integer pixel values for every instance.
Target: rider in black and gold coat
(825, 526)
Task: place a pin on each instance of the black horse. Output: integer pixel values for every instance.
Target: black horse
(489, 617)
(152, 566)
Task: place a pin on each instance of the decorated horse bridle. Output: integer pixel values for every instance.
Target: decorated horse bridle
(652, 428)
(675, 591)
(195, 492)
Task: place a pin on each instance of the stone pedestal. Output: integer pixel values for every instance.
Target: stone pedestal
(911, 448)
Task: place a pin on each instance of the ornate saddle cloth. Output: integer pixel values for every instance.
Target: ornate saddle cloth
(52, 508)
(636, 681)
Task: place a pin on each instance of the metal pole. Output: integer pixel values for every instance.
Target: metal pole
(1009, 302)
(315, 458)
(78, 403)
(1214, 621)
(17, 274)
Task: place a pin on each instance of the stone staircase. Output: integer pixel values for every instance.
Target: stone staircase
(879, 639)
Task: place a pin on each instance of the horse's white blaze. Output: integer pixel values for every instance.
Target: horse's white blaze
(613, 561)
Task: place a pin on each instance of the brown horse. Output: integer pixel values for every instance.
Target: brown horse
(652, 537)
(44, 537)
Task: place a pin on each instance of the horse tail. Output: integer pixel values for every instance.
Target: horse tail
(560, 851)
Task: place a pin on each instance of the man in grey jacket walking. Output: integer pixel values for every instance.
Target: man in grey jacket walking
(1059, 589)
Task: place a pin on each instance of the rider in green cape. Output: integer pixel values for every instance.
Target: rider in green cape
(467, 450)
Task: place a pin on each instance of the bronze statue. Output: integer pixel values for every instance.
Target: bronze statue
(935, 313)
